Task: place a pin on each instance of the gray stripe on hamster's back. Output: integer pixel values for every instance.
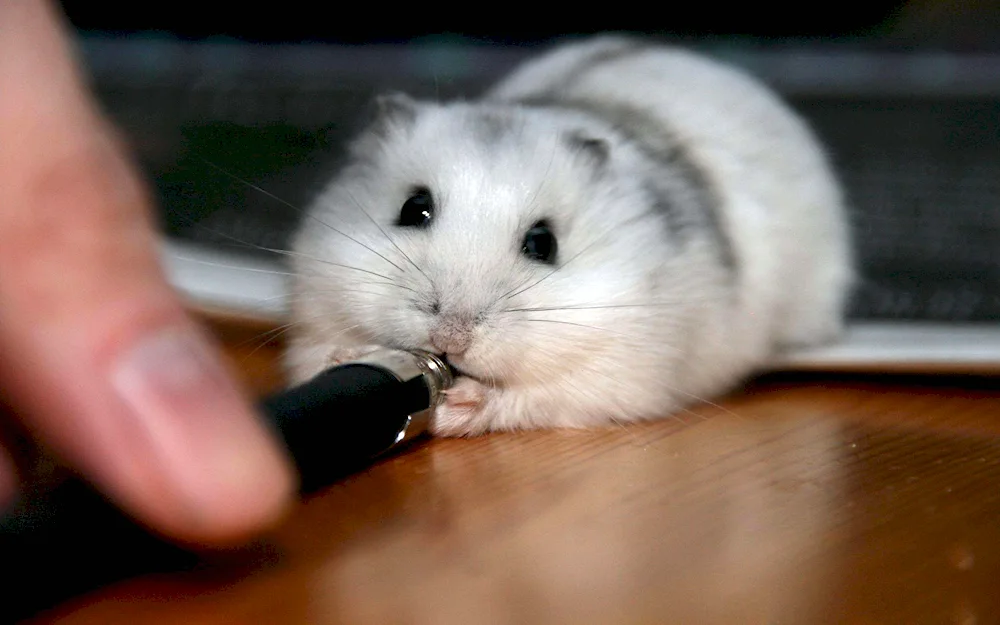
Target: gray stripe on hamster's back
(494, 124)
(615, 50)
(678, 188)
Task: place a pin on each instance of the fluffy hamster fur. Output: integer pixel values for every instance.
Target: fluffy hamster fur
(699, 231)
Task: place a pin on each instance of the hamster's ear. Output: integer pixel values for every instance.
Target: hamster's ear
(594, 150)
(396, 106)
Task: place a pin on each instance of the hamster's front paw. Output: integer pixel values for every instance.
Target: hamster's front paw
(462, 413)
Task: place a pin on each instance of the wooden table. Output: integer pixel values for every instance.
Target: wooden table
(799, 500)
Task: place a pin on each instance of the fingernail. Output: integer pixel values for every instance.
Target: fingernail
(214, 455)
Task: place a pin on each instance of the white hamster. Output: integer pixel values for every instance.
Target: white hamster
(617, 229)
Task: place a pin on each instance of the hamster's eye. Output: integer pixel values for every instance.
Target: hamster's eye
(418, 210)
(540, 243)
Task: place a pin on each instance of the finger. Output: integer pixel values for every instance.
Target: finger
(8, 479)
(96, 352)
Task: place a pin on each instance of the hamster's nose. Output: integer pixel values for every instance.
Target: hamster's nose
(448, 339)
(448, 347)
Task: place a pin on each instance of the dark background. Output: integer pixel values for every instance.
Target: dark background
(953, 24)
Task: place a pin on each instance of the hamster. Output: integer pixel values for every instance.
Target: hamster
(615, 230)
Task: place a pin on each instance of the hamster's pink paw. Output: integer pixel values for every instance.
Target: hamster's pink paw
(466, 393)
(461, 414)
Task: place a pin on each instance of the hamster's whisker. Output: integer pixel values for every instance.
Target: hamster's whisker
(282, 253)
(330, 262)
(300, 295)
(688, 410)
(588, 307)
(210, 263)
(372, 273)
(580, 325)
(295, 208)
(273, 335)
(545, 177)
(272, 250)
(705, 401)
(371, 283)
(509, 295)
(638, 339)
(387, 237)
(219, 233)
(389, 281)
(343, 331)
(318, 292)
(269, 335)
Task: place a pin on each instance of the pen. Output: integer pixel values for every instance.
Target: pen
(70, 539)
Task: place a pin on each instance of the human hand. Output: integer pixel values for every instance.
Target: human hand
(98, 359)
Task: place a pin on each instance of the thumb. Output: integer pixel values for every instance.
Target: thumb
(97, 356)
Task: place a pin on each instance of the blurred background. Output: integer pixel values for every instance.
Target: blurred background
(906, 95)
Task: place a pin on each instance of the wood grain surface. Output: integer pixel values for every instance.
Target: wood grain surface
(800, 499)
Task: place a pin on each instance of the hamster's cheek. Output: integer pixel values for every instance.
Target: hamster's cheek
(413, 331)
(478, 363)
